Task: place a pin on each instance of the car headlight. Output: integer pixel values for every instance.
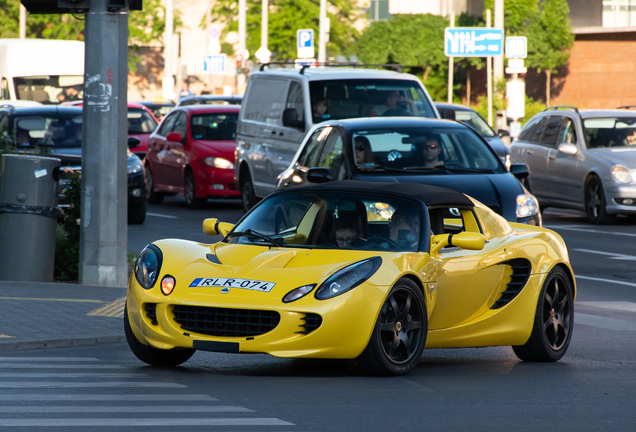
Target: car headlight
(217, 162)
(623, 175)
(148, 266)
(134, 164)
(527, 205)
(348, 278)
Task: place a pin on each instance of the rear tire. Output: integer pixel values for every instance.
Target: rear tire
(152, 196)
(399, 335)
(553, 322)
(190, 190)
(154, 356)
(247, 193)
(595, 204)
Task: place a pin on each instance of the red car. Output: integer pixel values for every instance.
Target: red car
(192, 153)
(141, 123)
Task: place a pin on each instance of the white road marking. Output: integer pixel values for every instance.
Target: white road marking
(614, 305)
(69, 375)
(576, 228)
(125, 409)
(56, 366)
(51, 422)
(161, 215)
(49, 359)
(605, 280)
(112, 384)
(611, 255)
(603, 322)
(106, 397)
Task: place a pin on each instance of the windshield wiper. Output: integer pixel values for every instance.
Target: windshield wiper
(252, 233)
(436, 170)
(471, 170)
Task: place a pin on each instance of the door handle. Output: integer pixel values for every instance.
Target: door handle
(273, 132)
(281, 133)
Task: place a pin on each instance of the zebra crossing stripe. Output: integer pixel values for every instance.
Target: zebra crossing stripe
(55, 422)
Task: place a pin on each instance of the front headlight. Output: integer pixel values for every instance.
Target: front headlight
(623, 175)
(348, 278)
(148, 266)
(527, 205)
(217, 162)
(134, 164)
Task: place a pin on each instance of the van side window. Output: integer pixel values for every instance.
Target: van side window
(265, 101)
(295, 100)
(4, 89)
(4, 128)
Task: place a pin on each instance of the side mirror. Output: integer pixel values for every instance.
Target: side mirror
(503, 133)
(448, 114)
(133, 142)
(290, 118)
(463, 240)
(214, 227)
(174, 137)
(519, 170)
(568, 148)
(318, 175)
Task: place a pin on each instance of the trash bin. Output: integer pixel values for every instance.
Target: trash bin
(28, 217)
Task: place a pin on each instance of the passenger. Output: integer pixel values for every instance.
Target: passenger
(431, 151)
(364, 154)
(395, 101)
(347, 229)
(319, 110)
(404, 228)
(630, 137)
(22, 138)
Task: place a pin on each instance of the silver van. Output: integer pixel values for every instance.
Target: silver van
(281, 105)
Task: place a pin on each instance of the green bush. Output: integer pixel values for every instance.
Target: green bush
(67, 245)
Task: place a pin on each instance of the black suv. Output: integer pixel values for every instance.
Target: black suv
(58, 131)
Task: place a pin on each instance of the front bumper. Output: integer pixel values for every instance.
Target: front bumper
(136, 188)
(616, 194)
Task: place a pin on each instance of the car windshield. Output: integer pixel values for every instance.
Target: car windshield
(58, 131)
(325, 220)
(608, 132)
(214, 126)
(475, 121)
(342, 99)
(140, 122)
(50, 89)
(423, 150)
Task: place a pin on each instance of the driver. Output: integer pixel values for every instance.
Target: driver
(404, 228)
(393, 100)
(431, 151)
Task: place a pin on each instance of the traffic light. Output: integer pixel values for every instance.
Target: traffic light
(76, 6)
(239, 60)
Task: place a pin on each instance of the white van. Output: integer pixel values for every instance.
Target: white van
(281, 105)
(41, 70)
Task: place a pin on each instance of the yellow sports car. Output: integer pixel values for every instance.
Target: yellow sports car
(355, 270)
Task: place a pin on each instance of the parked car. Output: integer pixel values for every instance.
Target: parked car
(192, 153)
(58, 130)
(409, 149)
(281, 105)
(471, 118)
(462, 277)
(158, 106)
(210, 100)
(581, 159)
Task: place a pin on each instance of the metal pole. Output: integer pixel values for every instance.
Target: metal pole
(489, 75)
(498, 61)
(168, 71)
(242, 24)
(264, 23)
(451, 63)
(22, 21)
(103, 227)
(322, 33)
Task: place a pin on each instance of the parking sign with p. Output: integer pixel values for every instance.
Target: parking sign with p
(305, 43)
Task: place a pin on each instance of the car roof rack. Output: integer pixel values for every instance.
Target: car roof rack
(557, 107)
(626, 107)
(396, 66)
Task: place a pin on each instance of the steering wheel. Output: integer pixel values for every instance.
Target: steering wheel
(397, 112)
(379, 240)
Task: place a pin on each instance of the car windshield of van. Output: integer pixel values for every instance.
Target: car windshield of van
(609, 132)
(327, 220)
(140, 122)
(214, 126)
(425, 150)
(342, 99)
(57, 131)
(50, 89)
(475, 121)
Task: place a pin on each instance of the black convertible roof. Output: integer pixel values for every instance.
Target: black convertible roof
(432, 196)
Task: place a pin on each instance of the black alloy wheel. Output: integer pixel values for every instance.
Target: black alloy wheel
(152, 196)
(190, 191)
(595, 203)
(400, 331)
(247, 193)
(554, 321)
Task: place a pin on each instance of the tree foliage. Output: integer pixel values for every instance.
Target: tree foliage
(285, 17)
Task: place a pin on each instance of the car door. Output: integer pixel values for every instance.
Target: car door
(549, 190)
(288, 138)
(567, 170)
(529, 150)
(308, 157)
(157, 150)
(175, 157)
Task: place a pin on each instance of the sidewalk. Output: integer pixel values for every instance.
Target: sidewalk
(37, 315)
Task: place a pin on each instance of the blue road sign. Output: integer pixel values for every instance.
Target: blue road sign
(473, 42)
(305, 38)
(215, 64)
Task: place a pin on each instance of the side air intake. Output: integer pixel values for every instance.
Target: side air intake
(521, 269)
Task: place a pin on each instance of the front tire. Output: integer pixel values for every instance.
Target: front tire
(595, 204)
(247, 193)
(399, 335)
(154, 356)
(190, 192)
(152, 196)
(553, 322)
